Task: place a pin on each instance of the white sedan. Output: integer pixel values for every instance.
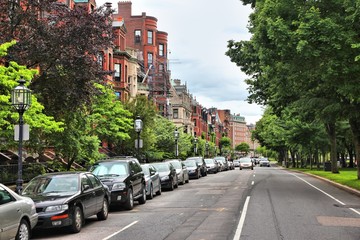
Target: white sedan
(17, 215)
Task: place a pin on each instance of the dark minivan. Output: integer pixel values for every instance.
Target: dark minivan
(125, 179)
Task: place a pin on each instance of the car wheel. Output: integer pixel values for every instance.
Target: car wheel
(104, 212)
(23, 232)
(151, 195)
(159, 191)
(77, 220)
(129, 200)
(142, 199)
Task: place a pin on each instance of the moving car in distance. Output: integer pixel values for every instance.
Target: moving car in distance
(152, 179)
(246, 162)
(264, 162)
(125, 179)
(167, 174)
(17, 215)
(67, 199)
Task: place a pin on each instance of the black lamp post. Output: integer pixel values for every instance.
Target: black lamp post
(138, 125)
(195, 145)
(21, 101)
(207, 148)
(176, 135)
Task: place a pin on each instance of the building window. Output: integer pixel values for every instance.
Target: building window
(161, 49)
(150, 59)
(118, 95)
(150, 37)
(117, 72)
(100, 59)
(175, 113)
(137, 36)
(161, 67)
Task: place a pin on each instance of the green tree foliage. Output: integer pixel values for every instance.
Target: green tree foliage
(64, 44)
(42, 127)
(319, 35)
(243, 148)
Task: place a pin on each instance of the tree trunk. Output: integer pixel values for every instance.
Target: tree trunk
(330, 129)
(355, 128)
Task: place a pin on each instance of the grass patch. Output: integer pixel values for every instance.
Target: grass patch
(347, 176)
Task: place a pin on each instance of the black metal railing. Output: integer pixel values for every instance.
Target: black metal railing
(9, 173)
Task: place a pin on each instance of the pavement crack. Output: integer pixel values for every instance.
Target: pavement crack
(276, 222)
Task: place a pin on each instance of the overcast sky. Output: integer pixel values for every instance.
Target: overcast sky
(198, 31)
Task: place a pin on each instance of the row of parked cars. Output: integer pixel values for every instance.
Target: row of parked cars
(66, 199)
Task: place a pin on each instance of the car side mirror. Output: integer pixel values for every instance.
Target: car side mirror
(86, 187)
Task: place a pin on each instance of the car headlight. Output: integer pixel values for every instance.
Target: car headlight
(165, 178)
(119, 186)
(57, 208)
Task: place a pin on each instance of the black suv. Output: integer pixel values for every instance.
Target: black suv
(200, 160)
(125, 179)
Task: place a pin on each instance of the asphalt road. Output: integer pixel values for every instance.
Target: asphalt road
(267, 203)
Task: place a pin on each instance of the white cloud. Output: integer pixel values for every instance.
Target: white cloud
(198, 32)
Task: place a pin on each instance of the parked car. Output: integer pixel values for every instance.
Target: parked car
(17, 215)
(167, 174)
(231, 165)
(224, 162)
(211, 165)
(193, 168)
(125, 179)
(201, 162)
(264, 162)
(236, 162)
(246, 162)
(152, 179)
(67, 199)
(181, 171)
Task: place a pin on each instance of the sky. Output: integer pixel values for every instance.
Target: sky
(198, 32)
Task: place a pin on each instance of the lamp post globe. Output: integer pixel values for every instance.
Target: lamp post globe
(21, 101)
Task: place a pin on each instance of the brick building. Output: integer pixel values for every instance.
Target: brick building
(143, 35)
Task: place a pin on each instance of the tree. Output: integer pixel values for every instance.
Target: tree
(65, 44)
(243, 148)
(43, 127)
(318, 35)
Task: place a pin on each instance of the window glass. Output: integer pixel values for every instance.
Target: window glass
(150, 58)
(5, 196)
(117, 72)
(150, 37)
(161, 49)
(95, 182)
(137, 36)
(176, 113)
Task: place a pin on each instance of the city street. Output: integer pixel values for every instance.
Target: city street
(267, 203)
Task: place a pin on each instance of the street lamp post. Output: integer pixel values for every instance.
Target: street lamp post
(207, 148)
(195, 145)
(21, 101)
(138, 125)
(176, 135)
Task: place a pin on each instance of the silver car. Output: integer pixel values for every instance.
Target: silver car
(17, 215)
(181, 171)
(152, 180)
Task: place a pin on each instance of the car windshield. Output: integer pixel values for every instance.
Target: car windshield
(245, 160)
(221, 159)
(58, 184)
(145, 170)
(209, 161)
(176, 164)
(162, 167)
(190, 163)
(110, 169)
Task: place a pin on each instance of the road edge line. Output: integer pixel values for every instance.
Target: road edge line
(124, 228)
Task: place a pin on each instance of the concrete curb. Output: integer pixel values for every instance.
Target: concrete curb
(343, 187)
